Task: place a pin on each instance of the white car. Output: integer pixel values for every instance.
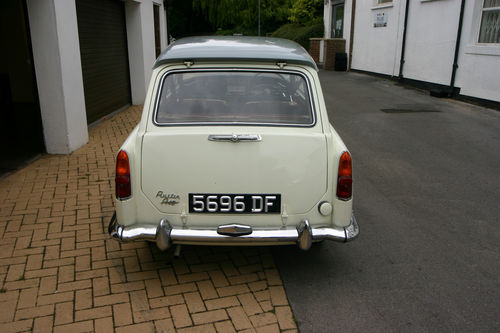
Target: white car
(234, 147)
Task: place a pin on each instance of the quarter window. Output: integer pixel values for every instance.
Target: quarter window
(233, 98)
(490, 22)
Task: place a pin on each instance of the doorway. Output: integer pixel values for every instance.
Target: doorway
(21, 131)
(337, 20)
(102, 32)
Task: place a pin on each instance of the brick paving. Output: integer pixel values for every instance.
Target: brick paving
(60, 271)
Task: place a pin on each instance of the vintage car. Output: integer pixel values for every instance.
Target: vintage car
(234, 147)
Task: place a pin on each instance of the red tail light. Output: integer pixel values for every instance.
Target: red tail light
(122, 179)
(344, 180)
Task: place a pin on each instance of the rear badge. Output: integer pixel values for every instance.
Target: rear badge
(168, 198)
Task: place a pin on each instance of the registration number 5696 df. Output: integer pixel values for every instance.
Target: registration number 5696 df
(235, 203)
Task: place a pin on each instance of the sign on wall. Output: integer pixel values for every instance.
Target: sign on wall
(380, 20)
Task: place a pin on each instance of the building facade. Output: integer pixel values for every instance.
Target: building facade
(71, 63)
(448, 45)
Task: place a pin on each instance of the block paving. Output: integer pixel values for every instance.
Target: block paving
(60, 271)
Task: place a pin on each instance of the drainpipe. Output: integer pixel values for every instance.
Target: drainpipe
(457, 48)
(259, 19)
(351, 37)
(165, 7)
(402, 61)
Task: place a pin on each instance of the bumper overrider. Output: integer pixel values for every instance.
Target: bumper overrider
(231, 234)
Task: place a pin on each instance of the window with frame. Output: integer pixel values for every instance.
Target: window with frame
(490, 22)
(234, 98)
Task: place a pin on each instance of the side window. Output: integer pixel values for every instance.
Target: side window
(490, 22)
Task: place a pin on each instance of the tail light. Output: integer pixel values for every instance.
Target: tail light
(122, 179)
(344, 180)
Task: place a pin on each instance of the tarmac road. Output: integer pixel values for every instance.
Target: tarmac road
(427, 199)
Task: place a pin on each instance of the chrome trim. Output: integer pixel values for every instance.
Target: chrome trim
(304, 238)
(163, 240)
(234, 137)
(164, 75)
(165, 236)
(234, 230)
(211, 236)
(352, 230)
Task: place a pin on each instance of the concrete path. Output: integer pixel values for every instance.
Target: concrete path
(60, 271)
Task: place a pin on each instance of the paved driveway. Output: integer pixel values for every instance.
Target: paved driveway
(60, 271)
(426, 195)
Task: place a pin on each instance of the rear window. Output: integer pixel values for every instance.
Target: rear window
(234, 97)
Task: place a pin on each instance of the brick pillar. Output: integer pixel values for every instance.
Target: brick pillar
(332, 46)
(314, 48)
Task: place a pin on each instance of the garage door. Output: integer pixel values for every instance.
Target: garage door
(103, 48)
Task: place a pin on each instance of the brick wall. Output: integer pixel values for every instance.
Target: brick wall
(332, 46)
(314, 44)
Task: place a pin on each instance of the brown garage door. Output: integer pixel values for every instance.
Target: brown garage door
(103, 48)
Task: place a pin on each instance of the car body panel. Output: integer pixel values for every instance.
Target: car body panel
(284, 162)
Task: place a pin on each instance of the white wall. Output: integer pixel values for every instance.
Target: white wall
(56, 54)
(327, 19)
(430, 44)
(430, 40)
(478, 74)
(141, 44)
(163, 26)
(377, 50)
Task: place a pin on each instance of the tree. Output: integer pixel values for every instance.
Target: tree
(184, 21)
(241, 15)
(304, 11)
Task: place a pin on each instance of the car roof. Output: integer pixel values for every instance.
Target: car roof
(237, 49)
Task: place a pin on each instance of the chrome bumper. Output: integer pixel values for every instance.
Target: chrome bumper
(165, 235)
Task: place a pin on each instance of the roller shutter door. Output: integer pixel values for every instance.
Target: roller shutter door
(103, 47)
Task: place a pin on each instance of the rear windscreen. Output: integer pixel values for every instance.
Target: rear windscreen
(234, 97)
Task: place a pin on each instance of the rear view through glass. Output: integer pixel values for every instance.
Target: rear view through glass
(234, 97)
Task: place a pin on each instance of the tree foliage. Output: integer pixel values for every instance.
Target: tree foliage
(184, 21)
(300, 33)
(305, 11)
(242, 15)
(195, 17)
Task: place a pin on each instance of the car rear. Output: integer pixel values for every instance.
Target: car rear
(232, 153)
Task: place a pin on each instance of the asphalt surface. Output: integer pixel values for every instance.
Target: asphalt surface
(426, 196)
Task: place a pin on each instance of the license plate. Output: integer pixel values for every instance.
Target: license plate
(235, 203)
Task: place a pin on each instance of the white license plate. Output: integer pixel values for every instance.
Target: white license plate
(235, 203)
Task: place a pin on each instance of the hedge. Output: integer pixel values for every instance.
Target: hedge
(300, 34)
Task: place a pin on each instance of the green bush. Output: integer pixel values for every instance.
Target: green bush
(303, 11)
(227, 32)
(299, 33)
